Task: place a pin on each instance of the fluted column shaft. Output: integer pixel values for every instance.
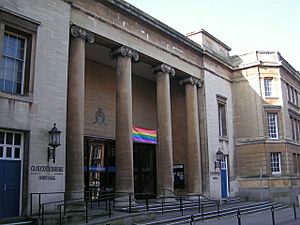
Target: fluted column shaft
(75, 115)
(165, 145)
(194, 179)
(124, 145)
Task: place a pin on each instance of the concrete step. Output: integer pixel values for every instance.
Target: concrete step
(17, 221)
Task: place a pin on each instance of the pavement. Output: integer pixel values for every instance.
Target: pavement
(281, 217)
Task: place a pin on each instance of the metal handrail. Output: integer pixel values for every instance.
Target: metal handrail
(109, 198)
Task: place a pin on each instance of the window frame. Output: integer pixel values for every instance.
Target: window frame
(13, 146)
(222, 116)
(268, 86)
(24, 61)
(22, 26)
(269, 126)
(275, 161)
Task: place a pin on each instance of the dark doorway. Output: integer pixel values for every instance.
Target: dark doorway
(99, 167)
(144, 162)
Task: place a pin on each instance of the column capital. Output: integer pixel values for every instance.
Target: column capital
(80, 32)
(164, 68)
(125, 51)
(193, 81)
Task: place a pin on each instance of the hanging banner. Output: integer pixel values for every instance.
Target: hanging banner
(143, 135)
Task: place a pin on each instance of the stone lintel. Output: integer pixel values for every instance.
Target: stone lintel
(163, 68)
(125, 51)
(193, 81)
(80, 32)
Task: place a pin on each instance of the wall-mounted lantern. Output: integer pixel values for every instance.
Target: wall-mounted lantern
(54, 142)
(220, 158)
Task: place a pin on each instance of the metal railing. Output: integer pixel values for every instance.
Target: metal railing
(107, 202)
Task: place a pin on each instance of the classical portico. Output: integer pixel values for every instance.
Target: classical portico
(124, 163)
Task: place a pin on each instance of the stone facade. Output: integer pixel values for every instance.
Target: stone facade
(255, 147)
(98, 68)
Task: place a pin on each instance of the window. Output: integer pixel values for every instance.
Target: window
(276, 162)
(292, 95)
(222, 119)
(13, 63)
(272, 126)
(295, 160)
(295, 126)
(268, 86)
(10, 145)
(16, 46)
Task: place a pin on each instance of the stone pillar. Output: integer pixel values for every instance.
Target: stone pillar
(194, 179)
(124, 145)
(165, 146)
(75, 114)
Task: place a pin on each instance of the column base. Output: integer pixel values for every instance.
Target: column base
(166, 199)
(124, 201)
(193, 196)
(76, 207)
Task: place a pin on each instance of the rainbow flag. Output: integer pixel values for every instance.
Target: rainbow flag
(144, 135)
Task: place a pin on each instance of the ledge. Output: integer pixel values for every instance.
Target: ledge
(27, 99)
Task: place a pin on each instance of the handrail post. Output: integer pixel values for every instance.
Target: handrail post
(65, 206)
(42, 214)
(192, 220)
(30, 204)
(39, 205)
(295, 212)
(199, 203)
(273, 217)
(147, 203)
(86, 212)
(218, 208)
(60, 215)
(162, 205)
(239, 217)
(109, 208)
(202, 211)
(129, 203)
(180, 205)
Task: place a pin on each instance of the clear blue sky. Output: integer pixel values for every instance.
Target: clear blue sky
(243, 25)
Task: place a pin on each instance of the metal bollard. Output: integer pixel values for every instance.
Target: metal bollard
(238, 215)
(295, 212)
(273, 217)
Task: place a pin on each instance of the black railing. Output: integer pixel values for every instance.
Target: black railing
(106, 202)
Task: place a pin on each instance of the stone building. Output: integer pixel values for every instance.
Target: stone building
(104, 71)
(266, 126)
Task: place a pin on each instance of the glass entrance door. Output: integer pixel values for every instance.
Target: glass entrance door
(144, 169)
(99, 168)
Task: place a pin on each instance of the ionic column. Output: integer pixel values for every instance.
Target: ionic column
(194, 179)
(75, 114)
(124, 146)
(165, 147)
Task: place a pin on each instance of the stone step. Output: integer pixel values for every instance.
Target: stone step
(226, 212)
